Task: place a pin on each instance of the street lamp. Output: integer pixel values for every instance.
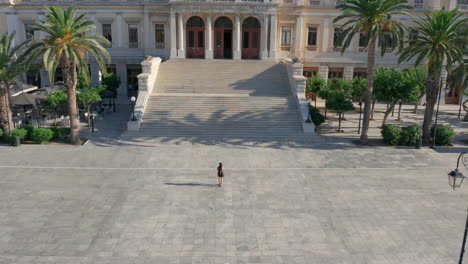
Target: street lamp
(133, 99)
(455, 178)
(91, 116)
(309, 120)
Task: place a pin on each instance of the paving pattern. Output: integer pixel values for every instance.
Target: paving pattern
(160, 204)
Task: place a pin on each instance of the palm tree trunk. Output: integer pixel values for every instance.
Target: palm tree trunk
(70, 82)
(431, 99)
(368, 95)
(5, 109)
(387, 113)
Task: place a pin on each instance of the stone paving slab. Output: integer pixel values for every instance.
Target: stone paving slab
(161, 205)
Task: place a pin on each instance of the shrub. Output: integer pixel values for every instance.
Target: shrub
(41, 135)
(20, 132)
(1, 132)
(410, 135)
(30, 130)
(317, 117)
(60, 132)
(444, 135)
(391, 134)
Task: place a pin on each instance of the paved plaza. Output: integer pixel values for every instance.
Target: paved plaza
(160, 204)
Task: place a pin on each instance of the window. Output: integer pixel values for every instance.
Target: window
(133, 35)
(312, 36)
(159, 36)
(28, 30)
(337, 42)
(389, 43)
(285, 36)
(200, 39)
(191, 39)
(413, 36)
(418, 3)
(335, 73)
(246, 40)
(107, 32)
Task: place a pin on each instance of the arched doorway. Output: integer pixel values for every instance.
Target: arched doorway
(195, 37)
(251, 38)
(223, 38)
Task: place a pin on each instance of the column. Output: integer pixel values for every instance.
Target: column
(273, 41)
(122, 90)
(264, 54)
(323, 71)
(95, 73)
(92, 17)
(325, 34)
(452, 4)
(237, 39)
(119, 30)
(12, 21)
(147, 32)
(181, 51)
(348, 73)
(45, 81)
(209, 38)
(173, 37)
(298, 44)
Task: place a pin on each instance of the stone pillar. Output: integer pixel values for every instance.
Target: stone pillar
(452, 4)
(44, 78)
(181, 51)
(173, 31)
(119, 30)
(298, 45)
(348, 73)
(122, 90)
(92, 17)
(273, 31)
(95, 73)
(264, 44)
(325, 34)
(237, 39)
(209, 38)
(147, 32)
(12, 24)
(323, 71)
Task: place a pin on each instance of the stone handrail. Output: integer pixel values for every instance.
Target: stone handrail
(298, 84)
(146, 81)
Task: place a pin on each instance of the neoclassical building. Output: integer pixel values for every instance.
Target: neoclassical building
(213, 29)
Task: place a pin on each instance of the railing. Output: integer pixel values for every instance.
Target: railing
(463, 7)
(82, 2)
(133, 45)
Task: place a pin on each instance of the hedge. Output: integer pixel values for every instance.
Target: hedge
(401, 136)
(444, 135)
(20, 132)
(41, 135)
(30, 130)
(316, 116)
(60, 132)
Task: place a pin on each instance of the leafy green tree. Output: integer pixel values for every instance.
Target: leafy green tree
(69, 39)
(89, 96)
(393, 86)
(339, 101)
(373, 19)
(112, 82)
(418, 77)
(13, 62)
(442, 36)
(55, 101)
(359, 87)
(315, 84)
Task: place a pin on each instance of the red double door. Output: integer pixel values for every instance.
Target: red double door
(223, 43)
(250, 43)
(195, 42)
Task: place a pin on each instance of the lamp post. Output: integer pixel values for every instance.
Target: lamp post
(133, 99)
(309, 120)
(91, 116)
(456, 178)
(360, 114)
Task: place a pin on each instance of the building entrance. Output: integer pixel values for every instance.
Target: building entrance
(251, 38)
(223, 38)
(195, 38)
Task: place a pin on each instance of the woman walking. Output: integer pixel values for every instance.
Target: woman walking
(220, 174)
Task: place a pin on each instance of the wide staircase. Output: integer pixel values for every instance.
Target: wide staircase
(220, 99)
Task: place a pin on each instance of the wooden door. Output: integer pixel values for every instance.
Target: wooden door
(219, 43)
(195, 42)
(250, 43)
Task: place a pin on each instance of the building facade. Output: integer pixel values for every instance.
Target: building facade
(213, 29)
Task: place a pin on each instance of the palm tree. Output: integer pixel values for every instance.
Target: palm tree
(13, 62)
(459, 79)
(373, 19)
(69, 39)
(442, 35)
